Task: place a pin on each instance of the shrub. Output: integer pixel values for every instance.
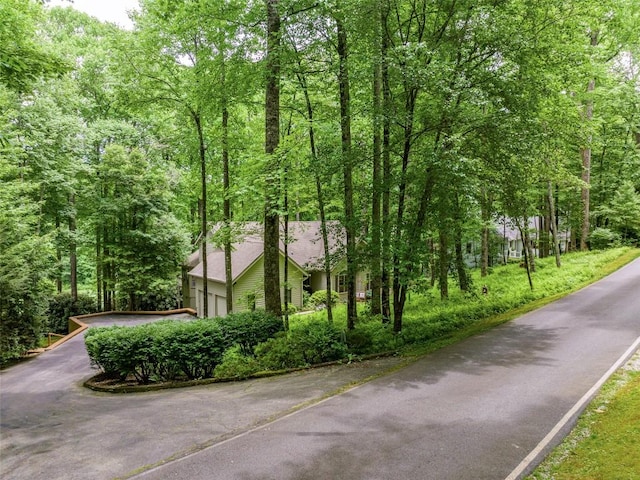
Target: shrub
(61, 307)
(359, 340)
(248, 329)
(291, 309)
(318, 341)
(602, 238)
(103, 347)
(133, 353)
(236, 365)
(194, 348)
(161, 350)
(278, 354)
(320, 298)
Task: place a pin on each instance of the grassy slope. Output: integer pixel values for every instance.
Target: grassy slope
(429, 323)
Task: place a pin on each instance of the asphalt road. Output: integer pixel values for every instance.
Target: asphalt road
(474, 410)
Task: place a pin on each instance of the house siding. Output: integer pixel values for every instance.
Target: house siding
(217, 298)
(251, 282)
(341, 268)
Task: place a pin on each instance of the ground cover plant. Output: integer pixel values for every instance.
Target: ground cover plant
(247, 343)
(427, 318)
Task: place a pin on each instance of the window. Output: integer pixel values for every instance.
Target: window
(341, 282)
(251, 301)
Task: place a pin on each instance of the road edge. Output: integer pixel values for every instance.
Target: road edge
(536, 455)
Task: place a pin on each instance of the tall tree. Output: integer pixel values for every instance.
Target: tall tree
(272, 138)
(585, 154)
(347, 167)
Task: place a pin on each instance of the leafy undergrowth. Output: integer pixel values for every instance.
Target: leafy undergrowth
(429, 323)
(605, 443)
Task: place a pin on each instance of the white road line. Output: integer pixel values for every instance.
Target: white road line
(586, 398)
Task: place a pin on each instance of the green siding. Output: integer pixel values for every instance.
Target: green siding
(248, 283)
(252, 282)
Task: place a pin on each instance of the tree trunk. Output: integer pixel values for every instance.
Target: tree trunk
(203, 212)
(375, 278)
(486, 222)
(443, 278)
(316, 174)
(99, 269)
(226, 202)
(347, 169)
(543, 234)
(286, 251)
(463, 280)
(58, 259)
(585, 153)
(385, 253)
(272, 300)
(552, 223)
(73, 255)
(528, 248)
(433, 264)
(525, 235)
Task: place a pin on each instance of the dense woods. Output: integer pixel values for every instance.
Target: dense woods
(419, 125)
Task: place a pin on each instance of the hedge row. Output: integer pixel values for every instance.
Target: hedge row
(167, 350)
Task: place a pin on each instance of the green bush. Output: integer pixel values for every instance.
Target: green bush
(248, 329)
(61, 307)
(236, 365)
(291, 309)
(157, 351)
(319, 298)
(104, 348)
(195, 348)
(602, 238)
(318, 341)
(278, 354)
(124, 351)
(166, 350)
(359, 340)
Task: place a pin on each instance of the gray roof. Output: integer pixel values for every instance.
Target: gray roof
(306, 248)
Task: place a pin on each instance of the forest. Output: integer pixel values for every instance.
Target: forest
(417, 124)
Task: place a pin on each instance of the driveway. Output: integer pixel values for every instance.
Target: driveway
(474, 410)
(51, 427)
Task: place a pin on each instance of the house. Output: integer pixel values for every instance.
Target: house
(538, 231)
(305, 272)
(506, 242)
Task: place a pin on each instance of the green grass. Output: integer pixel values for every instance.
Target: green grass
(430, 323)
(605, 444)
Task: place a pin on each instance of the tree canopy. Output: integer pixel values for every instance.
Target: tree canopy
(418, 125)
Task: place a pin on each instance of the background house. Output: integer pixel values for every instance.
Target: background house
(306, 268)
(506, 242)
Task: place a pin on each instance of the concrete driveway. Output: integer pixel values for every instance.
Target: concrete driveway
(475, 410)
